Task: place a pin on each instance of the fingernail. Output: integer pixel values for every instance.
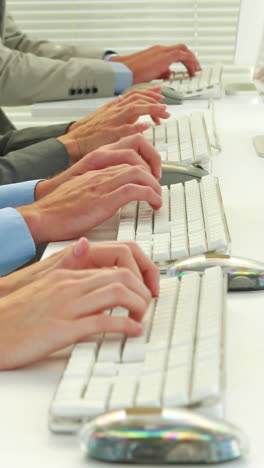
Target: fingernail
(145, 125)
(138, 327)
(77, 248)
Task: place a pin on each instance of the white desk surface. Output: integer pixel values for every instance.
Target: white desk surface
(26, 393)
(68, 109)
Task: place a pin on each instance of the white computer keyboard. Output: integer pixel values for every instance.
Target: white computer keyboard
(191, 221)
(177, 361)
(205, 81)
(184, 139)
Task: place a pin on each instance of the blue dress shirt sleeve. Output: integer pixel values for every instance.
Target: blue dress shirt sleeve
(16, 243)
(18, 194)
(123, 76)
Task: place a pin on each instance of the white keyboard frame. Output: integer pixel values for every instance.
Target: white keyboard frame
(165, 263)
(212, 406)
(214, 90)
(211, 136)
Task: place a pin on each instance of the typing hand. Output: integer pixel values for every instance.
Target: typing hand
(87, 200)
(64, 307)
(259, 75)
(121, 254)
(114, 121)
(153, 63)
(133, 150)
(84, 255)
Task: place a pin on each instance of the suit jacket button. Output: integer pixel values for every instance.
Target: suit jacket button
(72, 91)
(87, 90)
(95, 90)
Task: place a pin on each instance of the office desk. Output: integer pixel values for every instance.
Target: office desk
(26, 393)
(76, 108)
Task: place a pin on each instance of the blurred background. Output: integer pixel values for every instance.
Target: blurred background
(226, 31)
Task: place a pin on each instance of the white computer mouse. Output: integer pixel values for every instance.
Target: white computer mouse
(170, 95)
(159, 435)
(243, 274)
(174, 173)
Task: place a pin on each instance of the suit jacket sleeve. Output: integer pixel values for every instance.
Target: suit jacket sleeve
(49, 71)
(17, 139)
(39, 161)
(16, 39)
(26, 78)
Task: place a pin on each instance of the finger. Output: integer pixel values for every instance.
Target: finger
(133, 192)
(126, 174)
(129, 129)
(139, 98)
(109, 296)
(73, 287)
(75, 256)
(186, 58)
(156, 120)
(127, 254)
(109, 158)
(148, 91)
(139, 95)
(259, 75)
(184, 48)
(109, 254)
(145, 149)
(79, 329)
(149, 270)
(132, 112)
(165, 75)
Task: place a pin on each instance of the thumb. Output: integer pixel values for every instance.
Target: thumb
(76, 256)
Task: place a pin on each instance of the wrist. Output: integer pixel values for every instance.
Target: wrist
(71, 146)
(71, 127)
(43, 188)
(6, 286)
(33, 218)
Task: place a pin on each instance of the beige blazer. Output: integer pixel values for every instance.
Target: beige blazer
(32, 71)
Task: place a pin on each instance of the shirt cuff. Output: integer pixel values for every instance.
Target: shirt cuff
(16, 243)
(123, 76)
(22, 193)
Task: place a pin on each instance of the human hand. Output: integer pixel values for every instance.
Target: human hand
(87, 200)
(153, 63)
(113, 121)
(65, 307)
(259, 75)
(133, 150)
(82, 255)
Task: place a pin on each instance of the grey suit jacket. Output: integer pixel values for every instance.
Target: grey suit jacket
(32, 153)
(33, 71)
